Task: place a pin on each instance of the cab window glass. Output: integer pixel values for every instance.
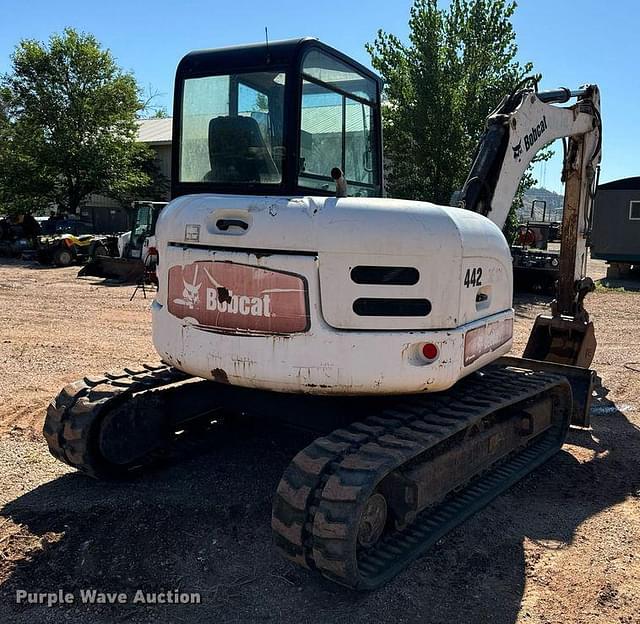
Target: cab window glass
(333, 72)
(320, 130)
(358, 149)
(336, 126)
(232, 129)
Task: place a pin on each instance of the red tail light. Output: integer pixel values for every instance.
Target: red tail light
(430, 351)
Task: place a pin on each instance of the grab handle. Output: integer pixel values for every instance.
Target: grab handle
(225, 224)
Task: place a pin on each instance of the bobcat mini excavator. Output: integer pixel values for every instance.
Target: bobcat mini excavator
(289, 286)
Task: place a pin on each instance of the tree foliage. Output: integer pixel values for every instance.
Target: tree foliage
(69, 116)
(458, 64)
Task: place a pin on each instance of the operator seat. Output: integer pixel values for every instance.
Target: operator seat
(238, 153)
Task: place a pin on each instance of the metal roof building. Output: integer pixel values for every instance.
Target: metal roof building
(157, 134)
(155, 131)
(106, 213)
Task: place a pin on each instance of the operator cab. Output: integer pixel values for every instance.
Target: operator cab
(276, 119)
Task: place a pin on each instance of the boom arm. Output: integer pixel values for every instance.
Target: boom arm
(516, 131)
(524, 123)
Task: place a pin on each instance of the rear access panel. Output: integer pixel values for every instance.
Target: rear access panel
(232, 297)
(255, 320)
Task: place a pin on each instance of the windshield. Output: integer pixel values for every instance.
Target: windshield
(231, 130)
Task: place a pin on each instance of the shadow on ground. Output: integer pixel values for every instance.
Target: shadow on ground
(29, 264)
(33, 264)
(202, 524)
(522, 302)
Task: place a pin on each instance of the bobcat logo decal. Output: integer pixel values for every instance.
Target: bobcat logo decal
(517, 150)
(238, 298)
(191, 293)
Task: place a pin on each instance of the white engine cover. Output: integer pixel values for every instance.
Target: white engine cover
(293, 294)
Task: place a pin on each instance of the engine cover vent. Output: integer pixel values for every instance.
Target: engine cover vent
(391, 307)
(393, 276)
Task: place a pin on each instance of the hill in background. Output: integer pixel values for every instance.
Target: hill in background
(554, 204)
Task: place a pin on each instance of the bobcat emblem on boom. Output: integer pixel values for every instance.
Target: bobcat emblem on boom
(517, 150)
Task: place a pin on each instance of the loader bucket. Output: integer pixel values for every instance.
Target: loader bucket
(563, 340)
(122, 270)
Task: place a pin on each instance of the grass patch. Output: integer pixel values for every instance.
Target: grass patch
(606, 285)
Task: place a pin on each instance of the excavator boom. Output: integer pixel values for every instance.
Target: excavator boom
(516, 131)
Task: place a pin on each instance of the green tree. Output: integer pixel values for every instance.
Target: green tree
(19, 169)
(262, 103)
(70, 116)
(439, 88)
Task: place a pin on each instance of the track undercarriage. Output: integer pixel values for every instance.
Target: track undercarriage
(385, 480)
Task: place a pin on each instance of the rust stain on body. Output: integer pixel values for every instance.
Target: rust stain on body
(220, 376)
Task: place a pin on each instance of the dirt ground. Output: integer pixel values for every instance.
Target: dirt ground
(562, 546)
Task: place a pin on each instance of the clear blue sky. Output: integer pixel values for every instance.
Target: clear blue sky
(596, 42)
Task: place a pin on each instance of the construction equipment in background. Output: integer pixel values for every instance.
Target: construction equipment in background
(18, 235)
(134, 259)
(381, 323)
(537, 233)
(535, 265)
(65, 249)
(59, 241)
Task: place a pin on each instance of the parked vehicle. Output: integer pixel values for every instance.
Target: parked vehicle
(535, 266)
(67, 249)
(18, 233)
(131, 256)
(76, 227)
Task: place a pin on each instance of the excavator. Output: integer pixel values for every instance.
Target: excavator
(290, 287)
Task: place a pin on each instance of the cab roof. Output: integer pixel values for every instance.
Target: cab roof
(254, 56)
